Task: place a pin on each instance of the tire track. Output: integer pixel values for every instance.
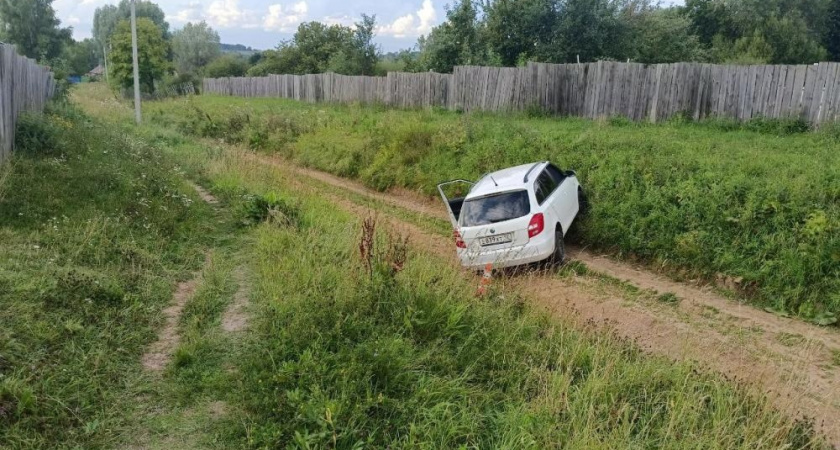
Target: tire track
(159, 354)
(740, 341)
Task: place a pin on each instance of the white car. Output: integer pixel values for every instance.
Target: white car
(514, 216)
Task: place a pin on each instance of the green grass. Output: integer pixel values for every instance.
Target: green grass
(669, 298)
(339, 357)
(759, 201)
(96, 228)
(343, 358)
(180, 410)
(392, 351)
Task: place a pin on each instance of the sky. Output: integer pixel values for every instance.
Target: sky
(262, 24)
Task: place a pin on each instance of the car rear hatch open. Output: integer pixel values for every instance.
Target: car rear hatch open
(495, 222)
(453, 194)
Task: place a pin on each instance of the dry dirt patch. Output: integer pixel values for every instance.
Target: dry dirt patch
(235, 317)
(205, 195)
(160, 353)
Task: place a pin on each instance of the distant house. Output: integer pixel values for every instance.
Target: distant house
(96, 73)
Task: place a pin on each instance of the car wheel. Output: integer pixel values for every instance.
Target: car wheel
(559, 255)
(583, 202)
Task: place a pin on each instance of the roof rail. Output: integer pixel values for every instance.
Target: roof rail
(525, 180)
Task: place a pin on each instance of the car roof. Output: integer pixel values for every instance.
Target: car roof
(506, 180)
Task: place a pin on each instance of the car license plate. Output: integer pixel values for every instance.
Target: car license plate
(496, 240)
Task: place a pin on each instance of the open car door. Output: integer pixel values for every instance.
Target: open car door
(453, 194)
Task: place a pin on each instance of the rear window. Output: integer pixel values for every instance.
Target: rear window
(495, 208)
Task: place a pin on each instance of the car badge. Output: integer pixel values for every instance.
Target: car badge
(492, 231)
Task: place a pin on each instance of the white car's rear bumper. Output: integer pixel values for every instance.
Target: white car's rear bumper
(537, 249)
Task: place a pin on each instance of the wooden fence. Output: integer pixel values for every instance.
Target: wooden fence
(24, 86)
(603, 89)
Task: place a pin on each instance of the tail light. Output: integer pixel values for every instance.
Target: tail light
(458, 241)
(537, 225)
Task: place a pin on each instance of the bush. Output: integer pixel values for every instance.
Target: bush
(227, 65)
(38, 134)
(178, 82)
(260, 208)
(780, 127)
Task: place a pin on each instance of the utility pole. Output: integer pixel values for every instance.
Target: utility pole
(105, 55)
(138, 115)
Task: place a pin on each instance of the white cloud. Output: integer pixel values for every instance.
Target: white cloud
(427, 16)
(421, 22)
(282, 18)
(338, 20)
(228, 14)
(400, 27)
(191, 13)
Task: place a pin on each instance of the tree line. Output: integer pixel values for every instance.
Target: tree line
(474, 32)
(511, 32)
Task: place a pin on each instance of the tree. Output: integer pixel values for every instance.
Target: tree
(791, 41)
(106, 18)
(318, 48)
(359, 55)
(33, 27)
(521, 29)
(591, 29)
(227, 65)
(81, 57)
(152, 53)
(366, 52)
(195, 46)
(832, 37)
(663, 35)
(315, 44)
(762, 31)
(458, 41)
(711, 18)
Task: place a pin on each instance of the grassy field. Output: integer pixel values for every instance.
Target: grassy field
(394, 350)
(388, 347)
(96, 228)
(753, 206)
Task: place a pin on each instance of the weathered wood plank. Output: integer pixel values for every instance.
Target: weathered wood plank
(24, 86)
(593, 90)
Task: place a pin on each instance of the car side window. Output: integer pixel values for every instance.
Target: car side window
(556, 174)
(544, 186)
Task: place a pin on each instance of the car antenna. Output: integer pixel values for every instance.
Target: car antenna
(494, 181)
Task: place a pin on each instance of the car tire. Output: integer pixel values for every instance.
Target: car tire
(583, 202)
(559, 255)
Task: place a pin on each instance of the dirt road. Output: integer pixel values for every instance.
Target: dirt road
(794, 363)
